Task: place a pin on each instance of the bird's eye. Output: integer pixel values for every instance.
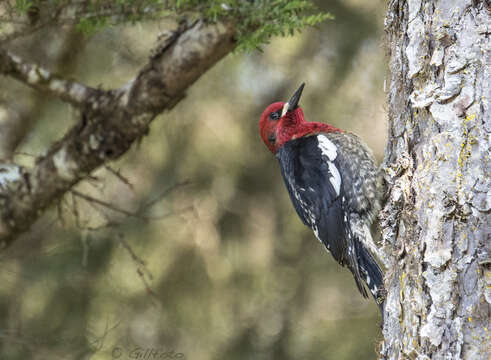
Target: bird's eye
(274, 116)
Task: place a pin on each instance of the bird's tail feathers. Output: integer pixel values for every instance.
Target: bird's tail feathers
(371, 273)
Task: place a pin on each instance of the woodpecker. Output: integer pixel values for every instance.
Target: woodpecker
(333, 184)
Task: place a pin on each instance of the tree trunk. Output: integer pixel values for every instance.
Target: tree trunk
(436, 222)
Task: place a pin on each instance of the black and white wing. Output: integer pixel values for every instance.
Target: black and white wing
(310, 168)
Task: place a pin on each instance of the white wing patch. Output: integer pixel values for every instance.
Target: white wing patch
(335, 179)
(330, 150)
(327, 147)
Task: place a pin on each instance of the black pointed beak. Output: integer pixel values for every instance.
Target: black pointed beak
(293, 102)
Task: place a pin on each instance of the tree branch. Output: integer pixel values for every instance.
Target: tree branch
(109, 121)
(41, 79)
(17, 116)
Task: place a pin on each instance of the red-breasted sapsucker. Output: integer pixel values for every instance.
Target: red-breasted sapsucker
(334, 186)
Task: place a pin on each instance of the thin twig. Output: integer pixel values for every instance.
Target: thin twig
(140, 265)
(106, 204)
(117, 209)
(164, 193)
(118, 174)
(134, 257)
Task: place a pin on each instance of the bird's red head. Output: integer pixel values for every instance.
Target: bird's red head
(282, 122)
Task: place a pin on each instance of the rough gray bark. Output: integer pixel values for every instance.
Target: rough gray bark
(437, 222)
(109, 121)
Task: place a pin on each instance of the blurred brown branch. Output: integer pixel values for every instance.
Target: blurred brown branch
(109, 120)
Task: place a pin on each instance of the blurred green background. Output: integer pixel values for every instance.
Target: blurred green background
(229, 272)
